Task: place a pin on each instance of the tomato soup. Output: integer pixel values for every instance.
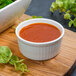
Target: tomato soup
(39, 32)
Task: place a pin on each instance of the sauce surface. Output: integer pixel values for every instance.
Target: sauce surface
(39, 32)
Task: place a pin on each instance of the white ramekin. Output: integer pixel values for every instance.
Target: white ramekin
(10, 13)
(39, 51)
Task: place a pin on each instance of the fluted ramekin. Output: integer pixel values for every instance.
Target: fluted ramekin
(39, 51)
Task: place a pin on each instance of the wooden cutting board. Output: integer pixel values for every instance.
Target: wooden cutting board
(57, 66)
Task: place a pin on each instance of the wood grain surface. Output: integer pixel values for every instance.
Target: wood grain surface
(57, 66)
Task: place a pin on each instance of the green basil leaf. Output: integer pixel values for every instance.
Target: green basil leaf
(67, 16)
(66, 4)
(5, 54)
(54, 6)
(70, 23)
(74, 23)
(59, 3)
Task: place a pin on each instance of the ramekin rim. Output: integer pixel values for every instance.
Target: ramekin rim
(41, 43)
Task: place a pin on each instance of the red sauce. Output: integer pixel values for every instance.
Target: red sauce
(39, 32)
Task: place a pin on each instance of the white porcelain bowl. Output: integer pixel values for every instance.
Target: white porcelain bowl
(10, 13)
(39, 51)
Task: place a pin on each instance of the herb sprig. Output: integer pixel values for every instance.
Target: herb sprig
(6, 56)
(68, 7)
